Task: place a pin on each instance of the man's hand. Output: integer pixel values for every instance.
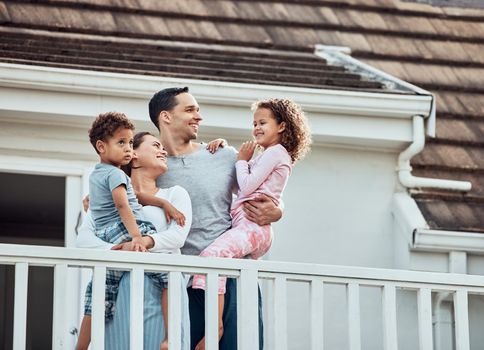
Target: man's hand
(85, 203)
(262, 210)
(214, 145)
(246, 151)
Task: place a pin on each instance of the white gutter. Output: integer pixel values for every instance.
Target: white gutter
(342, 118)
(447, 241)
(404, 169)
(356, 103)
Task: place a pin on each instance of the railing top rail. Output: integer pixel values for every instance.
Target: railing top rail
(90, 257)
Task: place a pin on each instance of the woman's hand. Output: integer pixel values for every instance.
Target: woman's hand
(246, 151)
(138, 244)
(214, 145)
(173, 213)
(85, 203)
(262, 210)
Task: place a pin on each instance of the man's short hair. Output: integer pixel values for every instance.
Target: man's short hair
(106, 124)
(164, 100)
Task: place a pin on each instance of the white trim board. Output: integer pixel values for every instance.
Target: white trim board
(448, 241)
(69, 96)
(420, 237)
(44, 166)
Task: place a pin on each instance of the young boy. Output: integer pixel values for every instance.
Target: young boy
(114, 207)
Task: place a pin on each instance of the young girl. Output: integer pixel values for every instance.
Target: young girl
(281, 129)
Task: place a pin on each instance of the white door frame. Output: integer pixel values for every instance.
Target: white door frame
(76, 175)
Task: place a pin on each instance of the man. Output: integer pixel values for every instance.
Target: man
(210, 180)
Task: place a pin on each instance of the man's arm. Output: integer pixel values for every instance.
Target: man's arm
(262, 210)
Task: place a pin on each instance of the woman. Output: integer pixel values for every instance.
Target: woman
(148, 163)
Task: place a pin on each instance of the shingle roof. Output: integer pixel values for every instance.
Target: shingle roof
(188, 61)
(437, 48)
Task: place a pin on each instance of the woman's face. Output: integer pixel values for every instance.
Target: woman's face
(150, 155)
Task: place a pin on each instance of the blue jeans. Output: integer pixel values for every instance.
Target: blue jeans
(117, 233)
(117, 330)
(196, 298)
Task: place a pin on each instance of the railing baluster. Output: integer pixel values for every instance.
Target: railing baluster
(59, 330)
(174, 309)
(424, 297)
(354, 316)
(211, 312)
(20, 306)
(317, 293)
(461, 320)
(247, 311)
(280, 313)
(98, 298)
(269, 330)
(389, 301)
(136, 308)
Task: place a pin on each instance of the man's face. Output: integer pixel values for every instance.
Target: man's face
(186, 117)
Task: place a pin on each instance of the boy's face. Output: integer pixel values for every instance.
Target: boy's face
(118, 149)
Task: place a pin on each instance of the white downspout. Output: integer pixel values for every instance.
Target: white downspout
(404, 169)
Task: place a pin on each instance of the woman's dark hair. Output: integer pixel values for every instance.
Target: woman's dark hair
(164, 100)
(137, 140)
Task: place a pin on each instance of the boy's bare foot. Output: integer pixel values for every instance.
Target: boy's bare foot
(201, 343)
(164, 345)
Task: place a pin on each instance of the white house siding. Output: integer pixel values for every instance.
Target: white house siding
(337, 212)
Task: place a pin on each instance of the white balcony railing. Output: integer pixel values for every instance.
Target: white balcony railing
(248, 274)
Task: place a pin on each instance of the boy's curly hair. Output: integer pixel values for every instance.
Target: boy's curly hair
(106, 124)
(296, 138)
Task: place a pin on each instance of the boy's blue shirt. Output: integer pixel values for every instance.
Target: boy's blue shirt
(103, 180)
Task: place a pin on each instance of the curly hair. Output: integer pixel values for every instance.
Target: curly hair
(296, 137)
(106, 124)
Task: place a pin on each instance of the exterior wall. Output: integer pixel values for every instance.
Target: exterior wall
(337, 209)
(337, 212)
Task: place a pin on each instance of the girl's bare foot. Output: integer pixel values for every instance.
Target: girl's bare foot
(164, 345)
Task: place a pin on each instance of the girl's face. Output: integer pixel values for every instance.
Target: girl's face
(150, 155)
(267, 131)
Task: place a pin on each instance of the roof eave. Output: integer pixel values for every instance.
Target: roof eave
(421, 237)
(384, 118)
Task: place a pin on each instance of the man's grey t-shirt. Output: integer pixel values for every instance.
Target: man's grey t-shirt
(103, 180)
(210, 180)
